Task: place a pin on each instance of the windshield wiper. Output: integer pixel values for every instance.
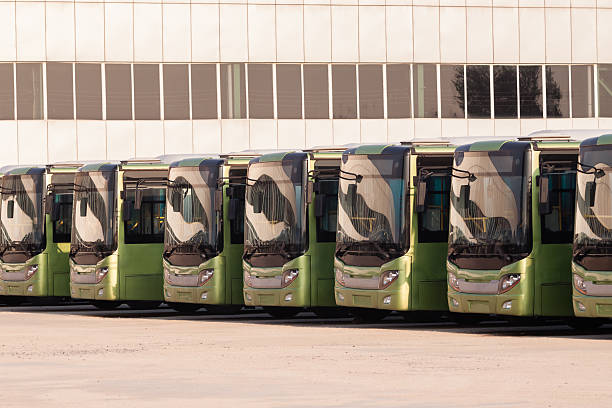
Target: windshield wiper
(587, 249)
(380, 249)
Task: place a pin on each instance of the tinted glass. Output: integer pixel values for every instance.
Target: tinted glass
(204, 91)
(316, 92)
(557, 91)
(433, 222)
(530, 91)
(504, 91)
(478, 91)
(261, 102)
(289, 91)
(118, 91)
(88, 80)
(327, 201)
(604, 72)
(583, 92)
(62, 203)
(7, 92)
(176, 91)
(371, 101)
(146, 92)
(30, 103)
(425, 91)
(233, 93)
(344, 88)
(558, 226)
(398, 91)
(451, 91)
(146, 225)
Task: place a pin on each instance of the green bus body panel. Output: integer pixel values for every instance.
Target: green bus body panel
(421, 284)
(594, 306)
(371, 149)
(545, 287)
(487, 146)
(225, 287)
(314, 285)
(604, 139)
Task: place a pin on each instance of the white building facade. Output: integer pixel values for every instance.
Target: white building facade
(90, 80)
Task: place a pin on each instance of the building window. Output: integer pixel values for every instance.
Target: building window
(88, 80)
(557, 91)
(233, 94)
(451, 91)
(176, 92)
(59, 91)
(204, 91)
(371, 100)
(7, 92)
(478, 79)
(146, 92)
(30, 103)
(289, 91)
(261, 102)
(425, 88)
(316, 92)
(604, 78)
(118, 91)
(530, 91)
(344, 91)
(398, 91)
(504, 91)
(583, 94)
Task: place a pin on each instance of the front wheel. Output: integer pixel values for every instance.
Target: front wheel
(585, 323)
(144, 304)
(466, 319)
(369, 315)
(223, 309)
(105, 304)
(330, 312)
(185, 307)
(282, 312)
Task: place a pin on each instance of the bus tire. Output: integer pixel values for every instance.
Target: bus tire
(144, 304)
(330, 312)
(105, 304)
(363, 315)
(185, 307)
(223, 309)
(585, 323)
(282, 312)
(466, 319)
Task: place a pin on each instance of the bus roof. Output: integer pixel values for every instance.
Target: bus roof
(17, 171)
(100, 166)
(604, 139)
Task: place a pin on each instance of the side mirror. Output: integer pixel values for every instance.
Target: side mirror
(464, 196)
(49, 203)
(127, 210)
(589, 193)
(83, 207)
(352, 191)
(177, 201)
(230, 192)
(138, 199)
(257, 202)
(544, 202)
(219, 199)
(55, 213)
(421, 194)
(309, 191)
(319, 202)
(10, 209)
(232, 212)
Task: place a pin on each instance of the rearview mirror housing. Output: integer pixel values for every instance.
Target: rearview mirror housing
(257, 202)
(219, 199)
(49, 203)
(421, 194)
(127, 210)
(138, 199)
(177, 201)
(589, 193)
(464, 196)
(544, 201)
(83, 207)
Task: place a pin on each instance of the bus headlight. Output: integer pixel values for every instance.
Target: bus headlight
(339, 276)
(289, 276)
(204, 276)
(30, 271)
(509, 281)
(453, 281)
(101, 273)
(579, 284)
(387, 278)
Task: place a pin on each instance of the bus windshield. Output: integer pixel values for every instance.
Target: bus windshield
(93, 224)
(191, 220)
(21, 217)
(371, 209)
(488, 217)
(593, 230)
(275, 210)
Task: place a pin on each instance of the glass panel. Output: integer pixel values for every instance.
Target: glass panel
(530, 91)
(118, 91)
(604, 78)
(327, 198)
(88, 80)
(504, 91)
(398, 91)
(371, 101)
(238, 183)
(233, 93)
(558, 226)
(433, 222)
(289, 91)
(425, 91)
(176, 91)
(451, 91)
(478, 91)
(59, 91)
(146, 225)
(146, 92)
(344, 88)
(261, 103)
(30, 103)
(204, 91)
(62, 203)
(316, 92)
(7, 92)
(557, 91)
(583, 94)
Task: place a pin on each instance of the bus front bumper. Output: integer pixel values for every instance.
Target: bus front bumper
(202, 284)
(84, 284)
(597, 299)
(264, 286)
(14, 282)
(501, 304)
(396, 299)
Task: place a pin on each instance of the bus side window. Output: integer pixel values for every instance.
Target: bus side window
(63, 219)
(237, 205)
(326, 209)
(558, 225)
(433, 222)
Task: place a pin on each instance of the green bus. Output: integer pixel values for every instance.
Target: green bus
(35, 240)
(118, 232)
(393, 229)
(204, 235)
(511, 227)
(592, 257)
(290, 231)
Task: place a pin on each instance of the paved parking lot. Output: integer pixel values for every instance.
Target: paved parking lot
(76, 356)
